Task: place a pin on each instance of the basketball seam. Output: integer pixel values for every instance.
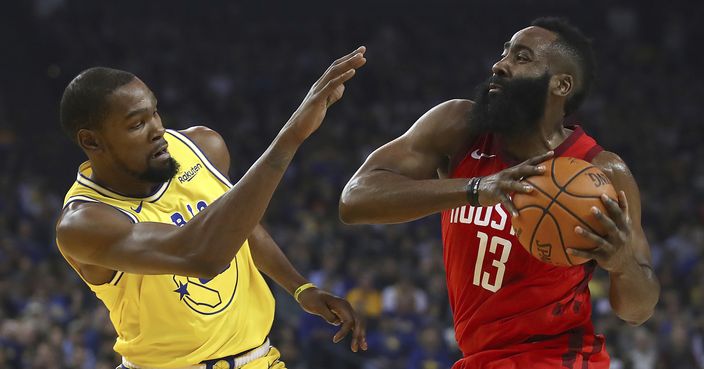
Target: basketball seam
(552, 200)
(530, 206)
(530, 246)
(576, 217)
(546, 210)
(581, 196)
(562, 241)
(537, 224)
(535, 230)
(552, 174)
(547, 196)
(569, 180)
(563, 189)
(539, 189)
(561, 205)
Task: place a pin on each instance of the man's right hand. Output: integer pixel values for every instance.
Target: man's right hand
(496, 188)
(325, 92)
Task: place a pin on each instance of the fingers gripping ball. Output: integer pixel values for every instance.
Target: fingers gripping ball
(561, 200)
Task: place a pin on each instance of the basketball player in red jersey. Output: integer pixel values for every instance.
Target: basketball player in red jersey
(511, 310)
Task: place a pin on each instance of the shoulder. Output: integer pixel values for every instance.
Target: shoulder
(611, 164)
(449, 113)
(212, 144)
(83, 231)
(456, 107)
(444, 127)
(79, 214)
(80, 223)
(621, 177)
(208, 140)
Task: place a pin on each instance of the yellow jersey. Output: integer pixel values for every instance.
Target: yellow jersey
(170, 321)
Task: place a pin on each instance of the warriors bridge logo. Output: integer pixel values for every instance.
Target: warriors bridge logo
(208, 296)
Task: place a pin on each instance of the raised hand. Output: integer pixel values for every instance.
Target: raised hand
(335, 311)
(325, 92)
(497, 187)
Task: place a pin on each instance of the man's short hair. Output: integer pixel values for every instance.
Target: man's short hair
(577, 46)
(84, 102)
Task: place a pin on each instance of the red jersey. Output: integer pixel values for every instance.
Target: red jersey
(511, 310)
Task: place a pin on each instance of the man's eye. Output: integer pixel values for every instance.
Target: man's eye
(522, 58)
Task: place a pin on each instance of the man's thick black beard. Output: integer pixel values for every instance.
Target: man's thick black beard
(514, 110)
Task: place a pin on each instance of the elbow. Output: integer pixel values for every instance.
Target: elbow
(646, 312)
(207, 265)
(212, 256)
(208, 269)
(639, 318)
(359, 202)
(639, 314)
(345, 213)
(348, 207)
(636, 305)
(348, 211)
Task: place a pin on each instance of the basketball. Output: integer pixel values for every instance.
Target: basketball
(561, 200)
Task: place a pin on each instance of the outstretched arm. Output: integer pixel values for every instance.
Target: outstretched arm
(270, 260)
(624, 252)
(96, 235)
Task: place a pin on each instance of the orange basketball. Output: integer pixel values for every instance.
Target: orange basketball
(561, 200)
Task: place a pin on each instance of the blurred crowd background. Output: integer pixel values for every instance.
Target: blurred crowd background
(242, 68)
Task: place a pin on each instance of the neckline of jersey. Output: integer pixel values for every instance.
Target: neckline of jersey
(577, 132)
(102, 190)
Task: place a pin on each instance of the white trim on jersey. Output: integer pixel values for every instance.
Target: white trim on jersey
(80, 178)
(186, 140)
(90, 199)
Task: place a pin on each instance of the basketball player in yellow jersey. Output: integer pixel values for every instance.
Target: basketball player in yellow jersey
(173, 249)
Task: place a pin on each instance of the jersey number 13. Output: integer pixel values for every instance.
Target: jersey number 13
(481, 277)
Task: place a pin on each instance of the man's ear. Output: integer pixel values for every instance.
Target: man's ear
(89, 140)
(561, 84)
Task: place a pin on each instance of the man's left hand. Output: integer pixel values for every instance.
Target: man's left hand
(613, 252)
(335, 311)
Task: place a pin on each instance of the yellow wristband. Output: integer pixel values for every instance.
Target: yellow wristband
(302, 288)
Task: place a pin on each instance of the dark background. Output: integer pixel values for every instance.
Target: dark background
(242, 68)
